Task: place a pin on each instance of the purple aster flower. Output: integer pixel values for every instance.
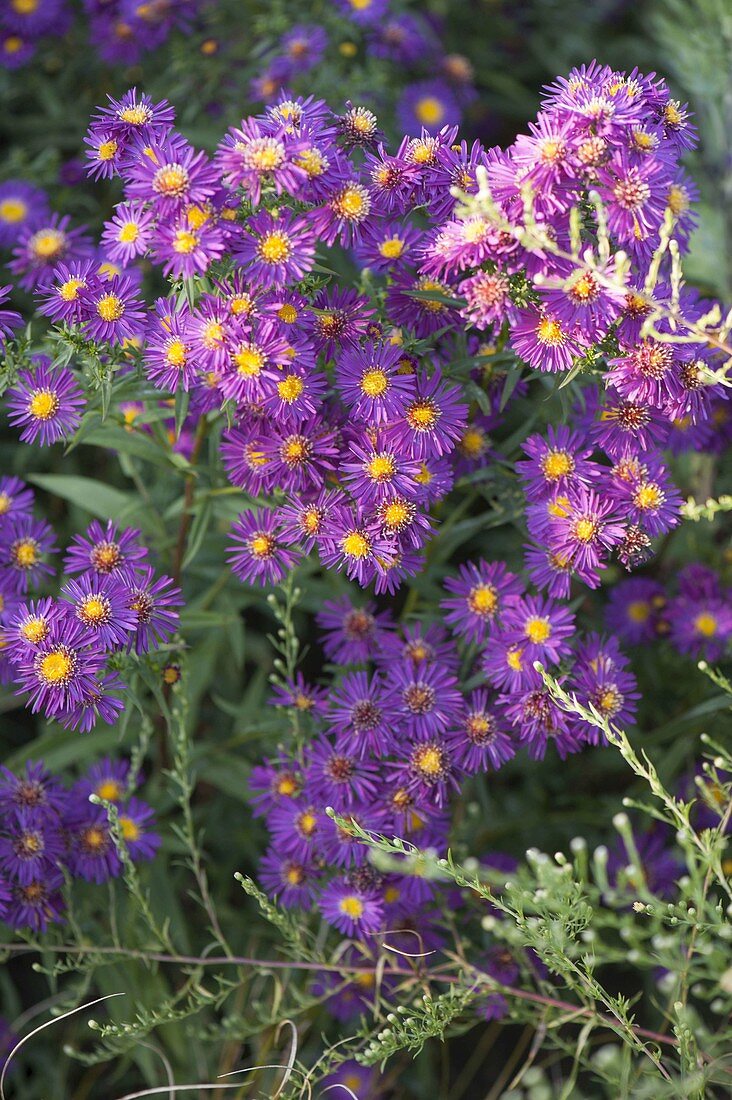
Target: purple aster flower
(293, 882)
(651, 500)
(543, 342)
(423, 699)
(480, 594)
(10, 319)
(276, 248)
(549, 570)
(63, 669)
(168, 353)
(371, 382)
(41, 247)
(355, 544)
(30, 624)
(22, 206)
(432, 421)
(353, 911)
(98, 703)
(136, 820)
(38, 903)
(296, 827)
(295, 396)
(272, 784)
(249, 157)
(299, 696)
(645, 374)
(701, 624)
(303, 520)
(135, 117)
(633, 608)
(389, 245)
(555, 463)
(610, 690)
(341, 317)
(105, 550)
(31, 845)
(352, 634)
(505, 664)
(23, 547)
(634, 196)
(33, 791)
(345, 213)
(100, 603)
(153, 603)
(359, 715)
(421, 303)
(304, 46)
(302, 457)
(488, 300)
(428, 105)
(91, 853)
(539, 722)
(253, 354)
(105, 153)
(585, 530)
(582, 298)
(478, 740)
(170, 174)
(540, 626)
(425, 770)
(61, 297)
(15, 51)
(188, 242)
(108, 779)
(114, 312)
(377, 472)
(16, 499)
(46, 402)
(128, 234)
(335, 777)
(258, 554)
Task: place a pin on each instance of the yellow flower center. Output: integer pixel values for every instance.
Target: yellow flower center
(94, 610)
(352, 202)
(422, 415)
(307, 823)
(472, 443)
(25, 553)
(424, 476)
(107, 150)
(557, 464)
(249, 361)
(47, 243)
(374, 383)
(69, 291)
(429, 761)
(538, 630)
(287, 786)
(639, 611)
(351, 906)
(381, 467)
(274, 248)
(514, 659)
(705, 624)
(549, 332)
(43, 405)
(197, 216)
(130, 830)
(429, 110)
(294, 875)
(24, 7)
(391, 248)
(12, 44)
(171, 180)
(34, 630)
(137, 115)
(648, 496)
(109, 789)
(110, 307)
(395, 514)
(585, 529)
(483, 599)
(56, 667)
(185, 242)
(291, 387)
(356, 545)
(176, 353)
(312, 162)
(287, 313)
(13, 211)
(261, 546)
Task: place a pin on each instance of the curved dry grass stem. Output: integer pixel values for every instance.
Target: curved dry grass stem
(42, 1027)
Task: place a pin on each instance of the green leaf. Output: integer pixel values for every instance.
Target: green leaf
(100, 500)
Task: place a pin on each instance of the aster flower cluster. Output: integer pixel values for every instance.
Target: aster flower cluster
(121, 31)
(404, 39)
(696, 620)
(49, 831)
(396, 734)
(62, 652)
